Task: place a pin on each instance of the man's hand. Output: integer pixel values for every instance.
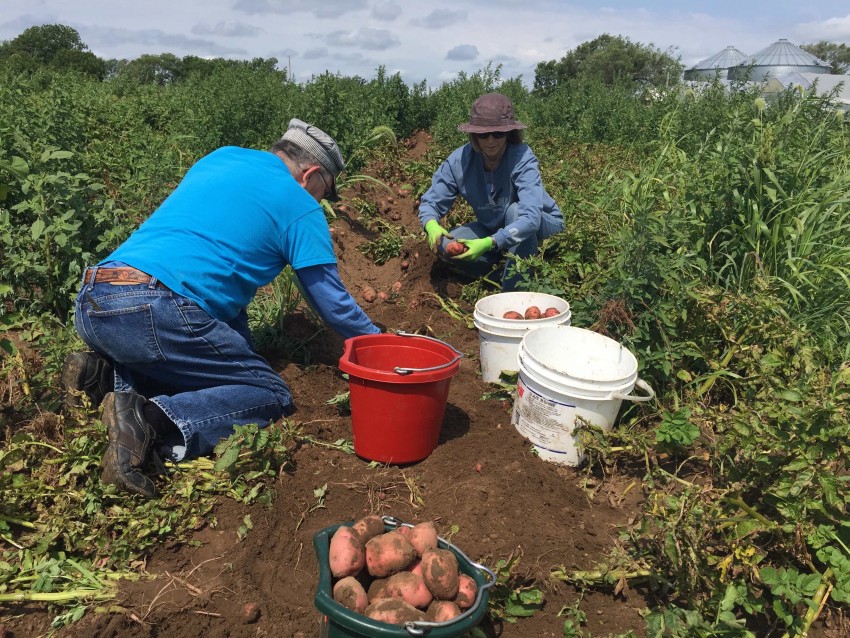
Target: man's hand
(434, 232)
(476, 248)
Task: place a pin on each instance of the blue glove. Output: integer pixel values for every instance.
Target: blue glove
(434, 232)
(476, 248)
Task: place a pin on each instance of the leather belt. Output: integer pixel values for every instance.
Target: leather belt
(120, 275)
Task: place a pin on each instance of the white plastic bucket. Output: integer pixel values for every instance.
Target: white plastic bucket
(568, 376)
(499, 338)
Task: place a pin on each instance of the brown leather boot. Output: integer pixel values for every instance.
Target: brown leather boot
(86, 373)
(131, 444)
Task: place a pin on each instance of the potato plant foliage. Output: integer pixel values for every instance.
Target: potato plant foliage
(708, 231)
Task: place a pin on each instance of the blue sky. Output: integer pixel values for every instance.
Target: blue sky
(430, 41)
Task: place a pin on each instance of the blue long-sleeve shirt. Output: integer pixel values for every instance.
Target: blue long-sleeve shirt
(336, 307)
(515, 180)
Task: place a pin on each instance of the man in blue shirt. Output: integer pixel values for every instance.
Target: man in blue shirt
(499, 176)
(166, 311)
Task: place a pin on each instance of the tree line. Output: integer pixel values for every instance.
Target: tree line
(607, 58)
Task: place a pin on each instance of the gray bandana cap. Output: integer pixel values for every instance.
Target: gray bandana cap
(320, 145)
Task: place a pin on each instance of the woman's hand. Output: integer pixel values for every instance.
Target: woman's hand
(434, 232)
(476, 248)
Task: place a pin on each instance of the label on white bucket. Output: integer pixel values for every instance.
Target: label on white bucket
(543, 421)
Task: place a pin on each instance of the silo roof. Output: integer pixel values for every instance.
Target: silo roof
(730, 56)
(783, 53)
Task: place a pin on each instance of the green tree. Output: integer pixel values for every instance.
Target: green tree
(612, 59)
(162, 69)
(53, 45)
(43, 43)
(838, 55)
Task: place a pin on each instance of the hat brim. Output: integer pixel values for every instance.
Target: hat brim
(480, 128)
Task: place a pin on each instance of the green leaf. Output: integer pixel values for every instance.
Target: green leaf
(37, 228)
(227, 459)
(791, 395)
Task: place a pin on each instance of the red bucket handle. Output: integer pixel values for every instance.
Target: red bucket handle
(404, 371)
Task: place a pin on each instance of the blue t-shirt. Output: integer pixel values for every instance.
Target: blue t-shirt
(233, 223)
(515, 180)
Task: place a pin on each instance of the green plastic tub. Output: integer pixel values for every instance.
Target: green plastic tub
(340, 622)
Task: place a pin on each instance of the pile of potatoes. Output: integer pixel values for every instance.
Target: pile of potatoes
(397, 576)
(532, 312)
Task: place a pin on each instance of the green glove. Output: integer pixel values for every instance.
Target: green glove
(476, 248)
(435, 231)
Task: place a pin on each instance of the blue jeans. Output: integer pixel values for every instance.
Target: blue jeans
(202, 372)
(487, 262)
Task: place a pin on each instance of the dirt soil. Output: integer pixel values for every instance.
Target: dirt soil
(482, 486)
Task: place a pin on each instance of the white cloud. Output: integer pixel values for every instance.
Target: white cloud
(156, 41)
(365, 38)
(386, 11)
(284, 53)
(324, 9)
(440, 18)
(833, 29)
(463, 52)
(229, 29)
(315, 53)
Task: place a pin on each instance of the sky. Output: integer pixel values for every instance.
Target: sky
(431, 40)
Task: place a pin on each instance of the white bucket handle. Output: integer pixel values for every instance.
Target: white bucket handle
(643, 385)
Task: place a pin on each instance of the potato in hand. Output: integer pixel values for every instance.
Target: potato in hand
(455, 248)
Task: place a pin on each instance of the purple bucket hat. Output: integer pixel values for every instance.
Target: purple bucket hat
(492, 112)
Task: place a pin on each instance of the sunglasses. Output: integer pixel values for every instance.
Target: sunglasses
(325, 182)
(497, 134)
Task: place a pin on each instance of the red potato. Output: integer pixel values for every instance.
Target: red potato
(440, 573)
(396, 287)
(405, 530)
(467, 590)
(368, 293)
(410, 588)
(551, 312)
(532, 312)
(383, 296)
(368, 527)
(378, 590)
(442, 611)
(415, 567)
(423, 536)
(512, 314)
(250, 614)
(454, 248)
(347, 555)
(388, 554)
(393, 611)
(349, 593)
(404, 265)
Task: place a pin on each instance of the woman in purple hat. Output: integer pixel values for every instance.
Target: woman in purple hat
(500, 178)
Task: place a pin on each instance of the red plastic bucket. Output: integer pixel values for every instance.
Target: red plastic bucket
(399, 384)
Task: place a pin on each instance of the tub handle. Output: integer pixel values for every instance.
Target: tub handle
(643, 385)
(404, 371)
(421, 628)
